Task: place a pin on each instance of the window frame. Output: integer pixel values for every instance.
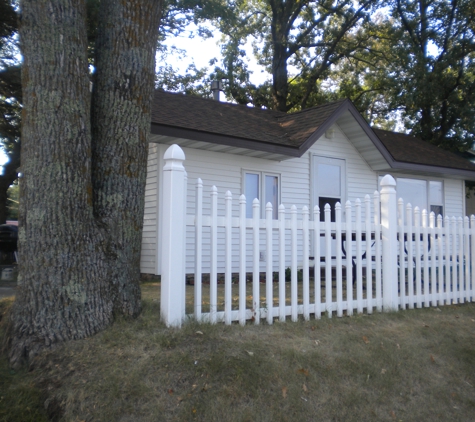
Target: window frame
(429, 205)
(261, 191)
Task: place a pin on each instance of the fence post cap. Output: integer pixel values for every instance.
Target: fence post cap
(388, 180)
(174, 152)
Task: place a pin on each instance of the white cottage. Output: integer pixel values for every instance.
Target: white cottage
(324, 154)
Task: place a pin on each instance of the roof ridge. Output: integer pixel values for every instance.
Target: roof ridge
(342, 100)
(221, 103)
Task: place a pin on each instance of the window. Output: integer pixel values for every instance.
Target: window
(425, 194)
(436, 197)
(329, 183)
(262, 185)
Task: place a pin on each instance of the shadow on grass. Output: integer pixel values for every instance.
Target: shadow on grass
(411, 365)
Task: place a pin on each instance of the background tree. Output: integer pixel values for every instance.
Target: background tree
(306, 36)
(84, 165)
(421, 69)
(10, 100)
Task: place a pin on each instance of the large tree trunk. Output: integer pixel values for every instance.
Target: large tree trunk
(69, 243)
(122, 98)
(279, 32)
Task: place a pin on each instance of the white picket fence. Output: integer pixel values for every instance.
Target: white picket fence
(396, 258)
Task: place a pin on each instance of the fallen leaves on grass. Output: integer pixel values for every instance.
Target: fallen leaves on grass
(432, 359)
(284, 392)
(366, 340)
(303, 371)
(304, 388)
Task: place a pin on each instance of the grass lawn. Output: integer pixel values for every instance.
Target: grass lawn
(414, 365)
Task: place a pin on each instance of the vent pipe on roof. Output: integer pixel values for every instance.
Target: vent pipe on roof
(216, 87)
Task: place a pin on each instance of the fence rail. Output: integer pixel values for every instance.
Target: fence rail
(395, 257)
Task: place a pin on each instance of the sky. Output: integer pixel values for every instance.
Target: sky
(201, 51)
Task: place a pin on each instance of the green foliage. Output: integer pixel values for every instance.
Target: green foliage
(420, 68)
(305, 37)
(10, 98)
(402, 63)
(288, 274)
(193, 82)
(10, 75)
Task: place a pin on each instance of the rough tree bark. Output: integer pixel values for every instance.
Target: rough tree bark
(81, 185)
(122, 97)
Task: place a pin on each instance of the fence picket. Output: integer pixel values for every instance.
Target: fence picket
(410, 257)
(418, 256)
(328, 258)
(440, 261)
(228, 262)
(198, 250)
(460, 259)
(466, 253)
(425, 260)
(242, 260)
(369, 260)
(269, 289)
(448, 272)
(256, 306)
(213, 291)
(454, 261)
(359, 266)
(339, 275)
(305, 269)
(282, 263)
(317, 269)
(377, 247)
(433, 275)
(349, 266)
(402, 281)
(293, 269)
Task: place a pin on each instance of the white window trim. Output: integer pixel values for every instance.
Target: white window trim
(262, 175)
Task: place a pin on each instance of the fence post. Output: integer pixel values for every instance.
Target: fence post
(172, 303)
(389, 243)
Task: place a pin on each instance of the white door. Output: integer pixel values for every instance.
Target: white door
(329, 187)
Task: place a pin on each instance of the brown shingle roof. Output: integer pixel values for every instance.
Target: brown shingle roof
(239, 121)
(408, 149)
(211, 116)
(291, 131)
(301, 125)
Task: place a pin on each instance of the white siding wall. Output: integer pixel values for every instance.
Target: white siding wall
(454, 195)
(225, 171)
(360, 179)
(149, 237)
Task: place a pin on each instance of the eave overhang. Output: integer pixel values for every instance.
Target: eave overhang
(346, 116)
